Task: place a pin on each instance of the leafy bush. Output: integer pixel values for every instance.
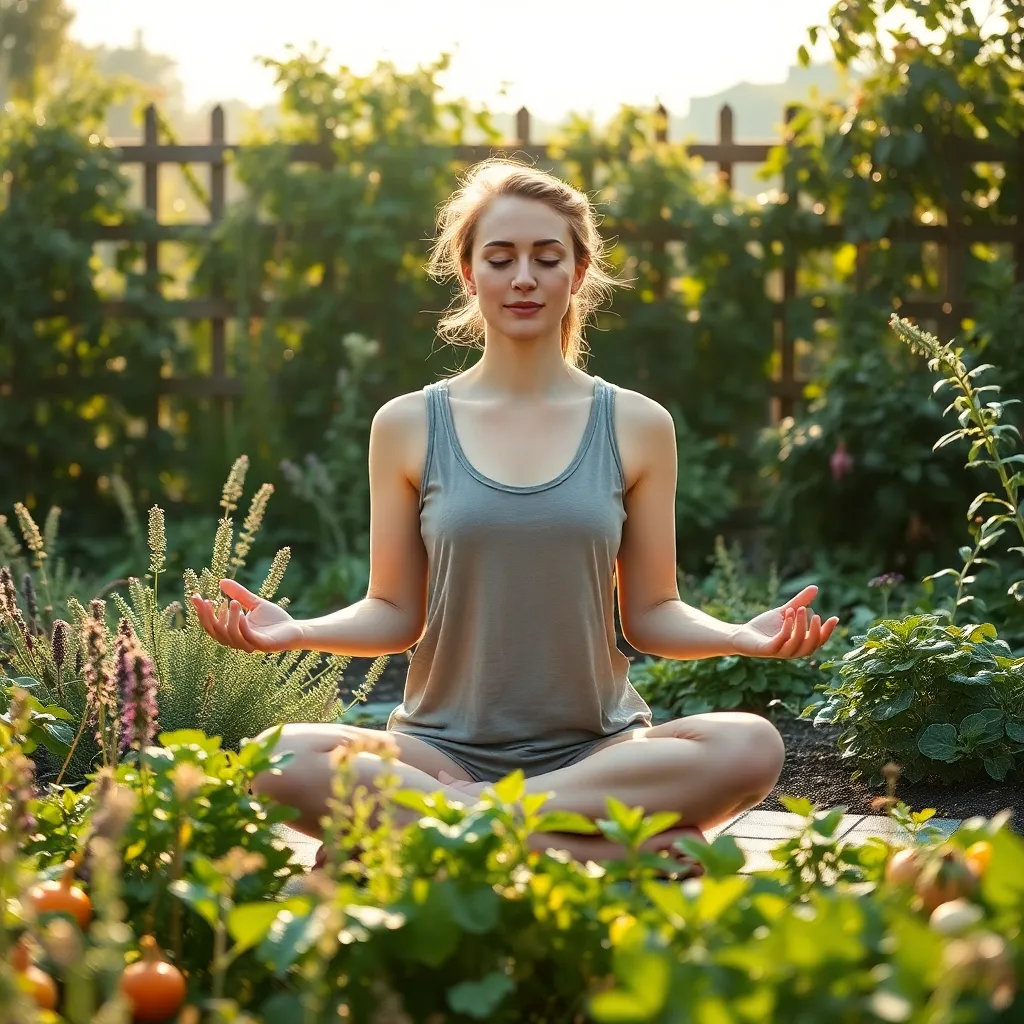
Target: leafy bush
(675, 688)
(456, 917)
(183, 807)
(942, 701)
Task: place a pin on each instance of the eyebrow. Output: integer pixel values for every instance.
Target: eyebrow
(501, 243)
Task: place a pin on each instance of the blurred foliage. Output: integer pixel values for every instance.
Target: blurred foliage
(33, 36)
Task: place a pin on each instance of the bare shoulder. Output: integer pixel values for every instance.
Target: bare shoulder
(400, 429)
(645, 432)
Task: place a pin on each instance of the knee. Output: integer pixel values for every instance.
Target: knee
(292, 739)
(763, 751)
(751, 750)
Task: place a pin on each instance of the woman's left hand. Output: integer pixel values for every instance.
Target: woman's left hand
(790, 631)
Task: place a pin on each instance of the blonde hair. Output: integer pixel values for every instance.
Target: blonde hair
(462, 323)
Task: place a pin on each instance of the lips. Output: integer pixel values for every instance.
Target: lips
(524, 305)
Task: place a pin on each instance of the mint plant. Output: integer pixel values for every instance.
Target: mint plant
(940, 700)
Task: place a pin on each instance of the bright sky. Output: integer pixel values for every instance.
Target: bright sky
(557, 55)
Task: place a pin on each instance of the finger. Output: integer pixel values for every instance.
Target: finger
(235, 591)
(829, 628)
(201, 613)
(777, 642)
(796, 638)
(208, 617)
(234, 615)
(813, 639)
(803, 598)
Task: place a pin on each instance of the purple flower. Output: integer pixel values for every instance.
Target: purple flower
(138, 685)
(887, 579)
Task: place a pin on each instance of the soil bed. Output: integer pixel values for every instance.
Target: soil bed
(813, 767)
(815, 770)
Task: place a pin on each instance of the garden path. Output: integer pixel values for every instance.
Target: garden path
(756, 833)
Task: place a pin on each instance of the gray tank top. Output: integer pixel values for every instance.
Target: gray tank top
(518, 665)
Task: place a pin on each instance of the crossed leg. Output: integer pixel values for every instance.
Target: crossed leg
(706, 768)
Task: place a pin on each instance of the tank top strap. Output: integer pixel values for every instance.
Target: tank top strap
(604, 396)
(434, 397)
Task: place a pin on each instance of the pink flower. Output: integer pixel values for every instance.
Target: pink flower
(841, 461)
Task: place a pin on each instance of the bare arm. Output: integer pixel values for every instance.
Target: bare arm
(390, 618)
(654, 618)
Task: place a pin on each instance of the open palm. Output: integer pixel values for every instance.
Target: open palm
(247, 621)
(789, 631)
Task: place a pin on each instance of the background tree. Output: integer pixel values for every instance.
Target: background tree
(33, 37)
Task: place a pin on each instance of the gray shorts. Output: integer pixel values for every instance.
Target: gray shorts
(489, 762)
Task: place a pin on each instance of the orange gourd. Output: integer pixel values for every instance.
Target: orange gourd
(61, 897)
(155, 988)
(978, 856)
(903, 867)
(945, 877)
(42, 987)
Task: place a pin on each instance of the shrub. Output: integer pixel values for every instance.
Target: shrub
(675, 688)
(943, 701)
(456, 917)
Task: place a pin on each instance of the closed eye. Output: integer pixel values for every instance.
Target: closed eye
(543, 263)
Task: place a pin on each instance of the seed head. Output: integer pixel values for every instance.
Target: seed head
(59, 642)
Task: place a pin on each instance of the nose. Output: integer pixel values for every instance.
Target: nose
(524, 279)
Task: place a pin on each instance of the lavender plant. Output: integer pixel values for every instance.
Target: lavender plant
(202, 684)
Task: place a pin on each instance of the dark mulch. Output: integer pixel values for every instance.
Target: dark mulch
(813, 767)
(815, 770)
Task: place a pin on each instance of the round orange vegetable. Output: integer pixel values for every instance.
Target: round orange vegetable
(903, 867)
(61, 897)
(945, 877)
(978, 857)
(42, 987)
(154, 987)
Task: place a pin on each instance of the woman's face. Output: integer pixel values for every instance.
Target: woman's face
(522, 268)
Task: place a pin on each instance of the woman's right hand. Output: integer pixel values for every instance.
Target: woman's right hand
(248, 622)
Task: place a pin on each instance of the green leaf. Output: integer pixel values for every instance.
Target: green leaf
(939, 743)
(797, 805)
(511, 789)
(1015, 730)
(655, 824)
(983, 726)
(647, 976)
(827, 824)
(198, 897)
(189, 738)
(628, 819)
(479, 999)
(474, 910)
(895, 705)
(292, 933)
(720, 859)
(998, 766)
(566, 821)
(249, 923)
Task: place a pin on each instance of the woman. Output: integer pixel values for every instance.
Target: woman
(506, 505)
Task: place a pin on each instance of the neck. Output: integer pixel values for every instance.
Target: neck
(523, 369)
